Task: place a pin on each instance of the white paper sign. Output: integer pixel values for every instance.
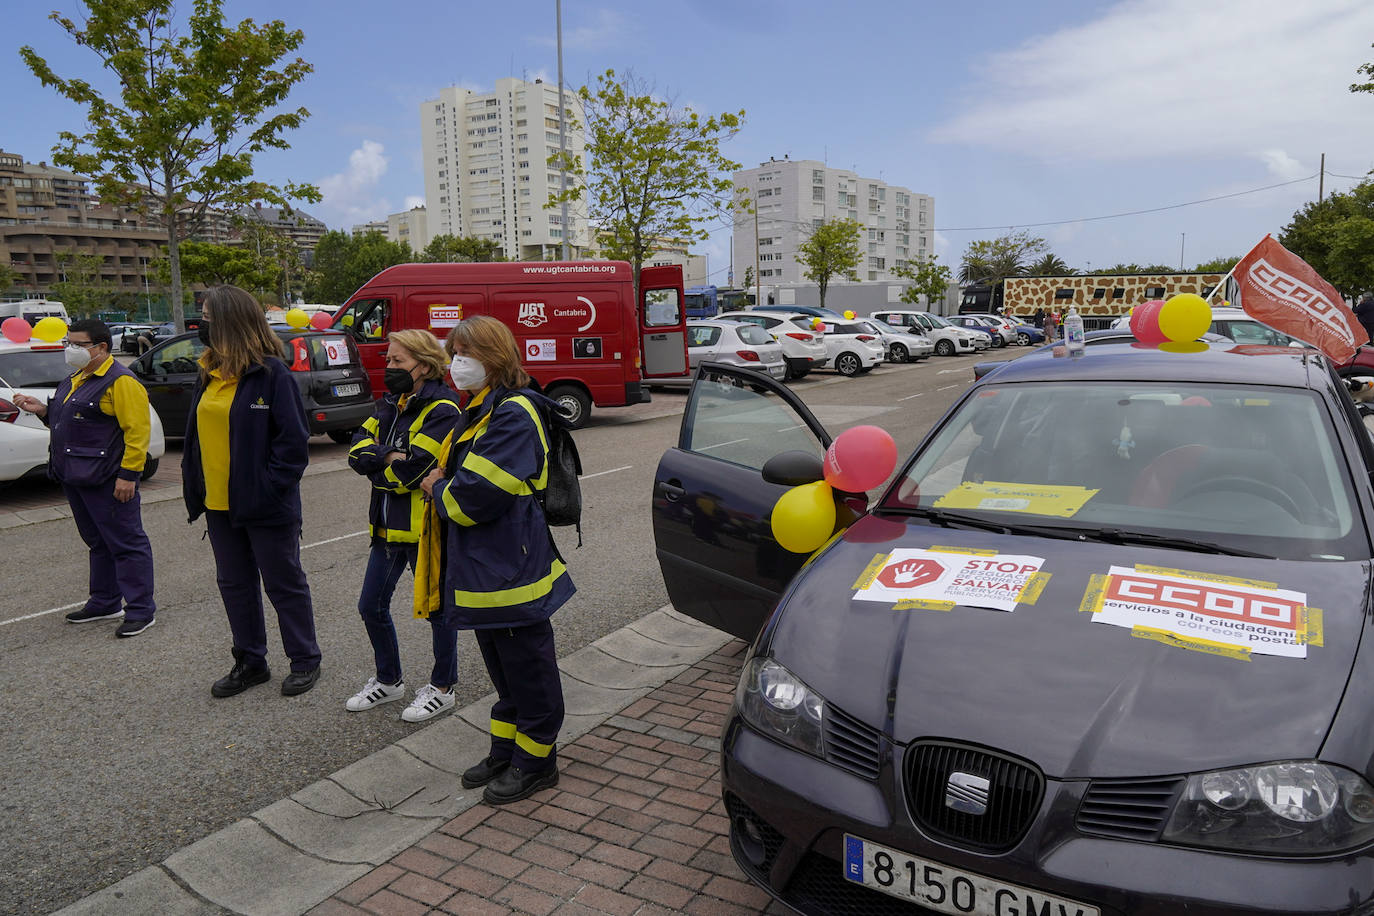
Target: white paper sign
(992, 581)
(1243, 618)
(541, 350)
(336, 352)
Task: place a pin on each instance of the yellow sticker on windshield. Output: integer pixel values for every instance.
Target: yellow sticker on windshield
(1040, 499)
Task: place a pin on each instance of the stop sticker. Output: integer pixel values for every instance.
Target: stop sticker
(911, 573)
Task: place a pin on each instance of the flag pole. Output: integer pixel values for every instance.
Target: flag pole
(1222, 285)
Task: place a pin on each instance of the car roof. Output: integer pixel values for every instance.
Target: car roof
(1281, 366)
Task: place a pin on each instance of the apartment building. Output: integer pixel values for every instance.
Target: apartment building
(376, 225)
(792, 197)
(486, 166)
(409, 226)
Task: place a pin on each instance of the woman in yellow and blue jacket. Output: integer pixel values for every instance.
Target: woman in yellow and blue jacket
(397, 446)
(488, 561)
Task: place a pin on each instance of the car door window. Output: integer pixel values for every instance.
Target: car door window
(366, 318)
(177, 358)
(702, 336)
(661, 308)
(732, 422)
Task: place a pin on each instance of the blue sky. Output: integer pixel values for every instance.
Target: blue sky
(1009, 113)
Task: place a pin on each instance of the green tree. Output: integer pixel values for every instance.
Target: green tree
(453, 248)
(211, 265)
(274, 252)
(1050, 265)
(1336, 236)
(343, 263)
(1139, 269)
(991, 261)
(832, 250)
(79, 287)
(194, 105)
(928, 278)
(1217, 265)
(749, 276)
(654, 171)
(1366, 70)
(8, 277)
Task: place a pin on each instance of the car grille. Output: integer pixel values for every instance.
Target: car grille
(851, 745)
(818, 887)
(1014, 792)
(1130, 809)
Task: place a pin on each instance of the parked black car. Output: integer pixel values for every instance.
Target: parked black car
(325, 364)
(1104, 647)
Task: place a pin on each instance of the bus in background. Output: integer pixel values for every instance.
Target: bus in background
(701, 302)
(580, 333)
(734, 300)
(33, 310)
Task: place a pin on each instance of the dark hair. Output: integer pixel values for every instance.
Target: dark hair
(98, 330)
(239, 333)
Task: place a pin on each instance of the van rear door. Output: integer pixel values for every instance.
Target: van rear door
(663, 323)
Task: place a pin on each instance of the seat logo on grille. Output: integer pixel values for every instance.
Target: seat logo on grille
(967, 793)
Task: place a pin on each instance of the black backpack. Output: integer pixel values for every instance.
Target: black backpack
(562, 496)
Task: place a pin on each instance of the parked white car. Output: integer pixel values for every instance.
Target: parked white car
(948, 339)
(735, 343)
(803, 350)
(900, 345)
(852, 349)
(1003, 331)
(36, 369)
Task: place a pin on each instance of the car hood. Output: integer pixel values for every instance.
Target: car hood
(1077, 697)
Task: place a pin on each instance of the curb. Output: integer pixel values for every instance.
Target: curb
(292, 855)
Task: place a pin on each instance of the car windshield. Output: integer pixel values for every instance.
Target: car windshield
(33, 368)
(1249, 468)
(753, 334)
(937, 321)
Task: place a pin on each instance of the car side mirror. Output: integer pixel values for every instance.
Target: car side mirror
(793, 468)
(139, 368)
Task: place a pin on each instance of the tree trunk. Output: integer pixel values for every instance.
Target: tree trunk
(174, 260)
(822, 285)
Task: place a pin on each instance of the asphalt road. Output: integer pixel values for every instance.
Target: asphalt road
(116, 753)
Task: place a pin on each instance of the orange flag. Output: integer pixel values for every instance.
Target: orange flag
(1282, 290)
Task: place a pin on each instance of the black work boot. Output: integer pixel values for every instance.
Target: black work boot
(240, 677)
(484, 772)
(515, 784)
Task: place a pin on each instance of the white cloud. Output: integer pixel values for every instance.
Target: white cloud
(1283, 166)
(606, 31)
(413, 201)
(351, 195)
(1178, 78)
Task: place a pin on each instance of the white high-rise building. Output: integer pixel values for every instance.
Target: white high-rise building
(793, 197)
(486, 167)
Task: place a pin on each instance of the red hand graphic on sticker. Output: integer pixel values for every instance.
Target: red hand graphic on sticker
(911, 573)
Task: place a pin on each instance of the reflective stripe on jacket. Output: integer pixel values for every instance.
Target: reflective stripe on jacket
(498, 566)
(418, 429)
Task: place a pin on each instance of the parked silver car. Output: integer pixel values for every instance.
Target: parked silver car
(735, 343)
(901, 346)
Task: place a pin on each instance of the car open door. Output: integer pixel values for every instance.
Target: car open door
(712, 504)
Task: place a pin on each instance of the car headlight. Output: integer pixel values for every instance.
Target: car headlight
(1294, 807)
(777, 703)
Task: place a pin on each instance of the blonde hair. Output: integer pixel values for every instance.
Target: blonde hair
(239, 333)
(493, 345)
(425, 348)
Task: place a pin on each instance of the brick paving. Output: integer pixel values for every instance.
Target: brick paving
(636, 826)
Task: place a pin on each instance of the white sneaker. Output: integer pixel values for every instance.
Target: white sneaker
(375, 693)
(429, 702)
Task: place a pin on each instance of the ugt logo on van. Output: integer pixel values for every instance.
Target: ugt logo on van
(532, 314)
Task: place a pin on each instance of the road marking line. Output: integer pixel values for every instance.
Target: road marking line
(948, 371)
(910, 396)
(707, 448)
(599, 473)
(786, 429)
(947, 387)
(342, 537)
(65, 607)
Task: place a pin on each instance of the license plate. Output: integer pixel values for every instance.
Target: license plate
(343, 391)
(945, 889)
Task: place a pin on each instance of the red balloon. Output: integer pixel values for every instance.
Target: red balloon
(860, 459)
(321, 321)
(1145, 322)
(16, 329)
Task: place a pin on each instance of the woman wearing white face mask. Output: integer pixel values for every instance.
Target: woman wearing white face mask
(487, 560)
(100, 425)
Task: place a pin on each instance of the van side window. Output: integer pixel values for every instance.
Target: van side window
(661, 308)
(366, 319)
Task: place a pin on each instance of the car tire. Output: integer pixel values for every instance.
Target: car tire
(898, 354)
(341, 436)
(574, 402)
(998, 342)
(848, 365)
(1023, 339)
(944, 348)
(149, 468)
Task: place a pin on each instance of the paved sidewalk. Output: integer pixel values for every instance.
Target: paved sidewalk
(635, 827)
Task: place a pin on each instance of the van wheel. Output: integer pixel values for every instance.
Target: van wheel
(342, 436)
(574, 403)
(848, 365)
(149, 468)
(944, 348)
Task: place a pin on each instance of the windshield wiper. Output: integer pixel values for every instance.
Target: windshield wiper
(948, 519)
(1122, 536)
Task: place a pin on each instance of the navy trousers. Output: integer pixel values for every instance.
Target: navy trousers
(528, 711)
(121, 556)
(385, 564)
(270, 554)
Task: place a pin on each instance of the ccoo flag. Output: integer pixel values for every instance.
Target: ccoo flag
(1282, 290)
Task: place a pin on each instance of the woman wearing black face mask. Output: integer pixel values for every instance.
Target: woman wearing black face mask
(395, 449)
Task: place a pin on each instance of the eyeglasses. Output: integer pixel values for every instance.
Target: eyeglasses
(84, 346)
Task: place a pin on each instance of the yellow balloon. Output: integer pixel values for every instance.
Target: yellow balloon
(804, 517)
(297, 318)
(347, 321)
(849, 314)
(1185, 317)
(50, 329)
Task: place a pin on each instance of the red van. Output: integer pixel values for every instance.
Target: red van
(582, 337)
